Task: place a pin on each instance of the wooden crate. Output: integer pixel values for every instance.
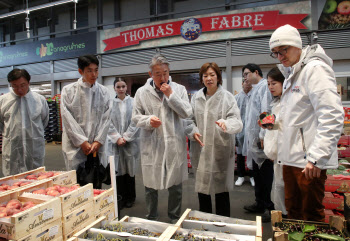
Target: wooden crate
(24, 223)
(109, 213)
(100, 222)
(104, 201)
(69, 201)
(10, 181)
(337, 222)
(234, 226)
(64, 178)
(78, 218)
(52, 232)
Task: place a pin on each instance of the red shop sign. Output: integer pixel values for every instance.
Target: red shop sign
(191, 28)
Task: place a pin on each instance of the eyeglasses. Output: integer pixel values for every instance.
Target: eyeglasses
(282, 52)
(246, 74)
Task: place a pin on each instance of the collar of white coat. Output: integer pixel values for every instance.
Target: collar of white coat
(151, 88)
(87, 85)
(202, 95)
(120, 100)
(30, 93)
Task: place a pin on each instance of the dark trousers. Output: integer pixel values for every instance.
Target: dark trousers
(241, 166)
(222, 203)
(303, 197)
(263, 178)
(126, 188)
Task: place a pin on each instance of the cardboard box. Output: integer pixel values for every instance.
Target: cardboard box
(24, 223)
(52, 232)
(336, 185)
(344, 140)
(78, 218)
(333, 203)
(104, 201)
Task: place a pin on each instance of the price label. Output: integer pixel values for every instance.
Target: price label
(110, 199)
(48, 214)
(87, 193)
(53, 231)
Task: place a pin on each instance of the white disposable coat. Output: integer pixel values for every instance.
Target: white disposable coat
(85, 114)
(270, 149)
(312, 108)
(22, 123)
(259, 102)
(242, 99)
(163, 149)
(127, 157)
(214, 163)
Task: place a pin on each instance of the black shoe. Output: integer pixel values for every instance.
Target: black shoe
(129, 204)
(254, 208)
(266, 217)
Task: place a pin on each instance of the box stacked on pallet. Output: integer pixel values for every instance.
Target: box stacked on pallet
(51, 129)
(209, 227)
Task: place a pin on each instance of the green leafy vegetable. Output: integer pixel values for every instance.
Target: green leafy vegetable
(329, 236)
(296, 236)
(309, 228)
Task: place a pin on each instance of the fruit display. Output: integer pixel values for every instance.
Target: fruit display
(13, 207)
(6, 187)
(41, 175)
(301, 231)
(98, 192)
(51, 129)
(56, 191)
(336, 14)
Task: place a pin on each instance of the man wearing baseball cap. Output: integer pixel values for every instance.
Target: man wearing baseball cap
(312, 120)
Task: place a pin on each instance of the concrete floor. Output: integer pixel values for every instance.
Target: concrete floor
(241, 196)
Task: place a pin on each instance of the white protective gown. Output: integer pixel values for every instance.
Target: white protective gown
(259, 102)
(22, 123)
(163, 149)
(270, 149)
(214, 163)
(127, 157)
(85, 114)
(242, 99)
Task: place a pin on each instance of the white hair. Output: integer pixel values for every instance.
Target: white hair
(157, 59)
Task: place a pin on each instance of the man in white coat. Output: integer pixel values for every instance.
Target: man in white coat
(253, 148)
(160, 107)
(312, 119)
(242, 99)
(85, 110)
(24, 115)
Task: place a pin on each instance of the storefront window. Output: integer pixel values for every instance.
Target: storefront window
(343, 88)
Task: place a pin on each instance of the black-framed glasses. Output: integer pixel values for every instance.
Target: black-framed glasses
(246, 74)
(282, 52)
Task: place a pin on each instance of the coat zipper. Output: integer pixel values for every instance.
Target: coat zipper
(303, 142)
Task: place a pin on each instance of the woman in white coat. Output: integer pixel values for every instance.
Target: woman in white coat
(216, 118)
(123, 144)
(275, 81)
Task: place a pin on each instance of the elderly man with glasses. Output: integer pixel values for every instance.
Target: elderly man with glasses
(312, 119)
